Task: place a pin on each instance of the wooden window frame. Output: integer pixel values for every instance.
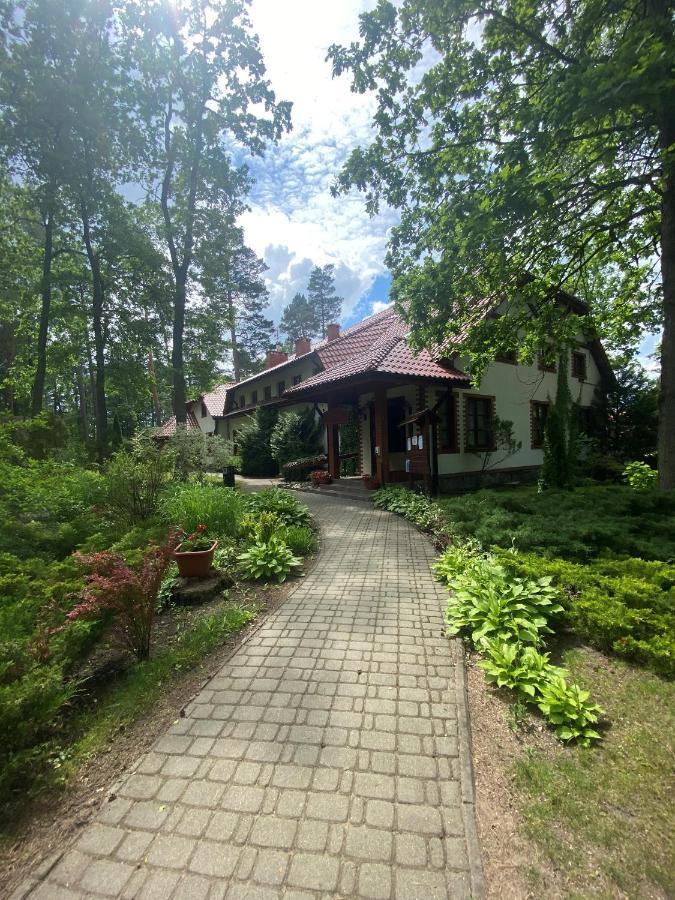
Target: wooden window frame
(509, 359)
(254, 398)
(468, 447)
(535, 444)
(281, 387)
(268, 392)
(450, 397)
(579, 356)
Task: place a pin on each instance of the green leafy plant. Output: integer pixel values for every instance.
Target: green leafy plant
(220, 509)
(301, 540)
(275, 500)
(568, 710)
(514, 666)
(136, 477)
(640, 476)
(296, 435)
(270, 561)
(260, 528)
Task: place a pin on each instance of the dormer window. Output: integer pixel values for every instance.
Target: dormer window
(579, 365)
(204, 410)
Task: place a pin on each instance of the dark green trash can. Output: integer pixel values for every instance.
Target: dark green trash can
(228, 476)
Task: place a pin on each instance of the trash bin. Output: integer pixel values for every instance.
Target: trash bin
(228, 476)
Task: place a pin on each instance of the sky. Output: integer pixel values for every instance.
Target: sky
(294, 223)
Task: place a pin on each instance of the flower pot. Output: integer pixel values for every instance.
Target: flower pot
(194, 563)
(371, 484)
(320, 477)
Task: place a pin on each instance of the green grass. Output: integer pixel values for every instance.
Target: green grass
(605, 816)
(127, 698)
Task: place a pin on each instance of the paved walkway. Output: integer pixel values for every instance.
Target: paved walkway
(327, 758)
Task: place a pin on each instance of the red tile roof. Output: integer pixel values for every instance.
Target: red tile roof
(376, 345)
(169, 427)
(215, 400)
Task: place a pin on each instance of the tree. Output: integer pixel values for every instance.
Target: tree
(530, 147)
(232, 277)
(299, 319)
(560, 435)
(204, 95)
(322, 298)
(40, 41)
(629, 413)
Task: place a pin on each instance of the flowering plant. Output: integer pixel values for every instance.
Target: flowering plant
(126, 595)
(320, 476)
(198, 540)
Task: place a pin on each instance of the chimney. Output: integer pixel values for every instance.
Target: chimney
(302, 345)
(332, 331)
(275, 357)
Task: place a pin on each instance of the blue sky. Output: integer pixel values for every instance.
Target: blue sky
(294, 223)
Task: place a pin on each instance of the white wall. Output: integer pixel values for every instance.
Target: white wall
(513, 387)
(207, 422)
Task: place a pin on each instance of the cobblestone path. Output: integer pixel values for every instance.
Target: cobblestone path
(327, 758)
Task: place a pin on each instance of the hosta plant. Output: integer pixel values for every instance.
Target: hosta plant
(260, 527)
(273, 560)
(517, 667)
(567, 708)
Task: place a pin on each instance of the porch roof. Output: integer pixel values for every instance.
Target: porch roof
(388, 355)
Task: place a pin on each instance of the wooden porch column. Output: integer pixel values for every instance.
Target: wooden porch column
(382, 434)
(333, 442)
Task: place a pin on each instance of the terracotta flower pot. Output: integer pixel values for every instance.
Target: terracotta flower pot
(370, 483)
(194, 563)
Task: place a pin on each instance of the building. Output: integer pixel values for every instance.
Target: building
(419, 418)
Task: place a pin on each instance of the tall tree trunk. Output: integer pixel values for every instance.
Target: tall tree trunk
(99, 340)
(179, 395)
(156, 407)
(38, 390)
(661, 10)
(233, 334)
(82, 403)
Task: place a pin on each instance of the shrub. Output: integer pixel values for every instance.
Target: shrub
(125, 596)
(295, 435)
(273, 560)
(299, 469)
(136, 477)
(417, 508)
(260, 528)
(188, 505)
(567, 708)
(253, 443)
(196, 452)
(301, 540)
(640, 476)
(275, 500)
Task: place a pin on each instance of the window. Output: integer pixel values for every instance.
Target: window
(479, 418)
(204, 411)
(254, 397)
(396, 413)
(547, 363)
(508, 356)
(297, 379)
(538, 416)
(281, 387)
(268, 392)
(579, 365)
(447, 422)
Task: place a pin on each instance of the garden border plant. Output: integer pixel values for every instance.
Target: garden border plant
(505, 618)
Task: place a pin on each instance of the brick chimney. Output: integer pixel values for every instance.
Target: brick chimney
(332, 331)
(302, 345)
(275, 357)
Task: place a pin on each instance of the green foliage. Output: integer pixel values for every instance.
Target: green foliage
(560, 435)
(506, 618)
(197, 453)
(489, 604)
(281, 503)
(301, 540)
(269, 561)
(260, 527)
(299, 319)
(136, 477)
(567, 708)
(640, 476)
(417, 508)
(189, 505)
(296, 435)
(253, 443)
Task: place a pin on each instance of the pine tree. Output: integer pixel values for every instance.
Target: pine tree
(322, 298)
(560, 435)
(299, 319)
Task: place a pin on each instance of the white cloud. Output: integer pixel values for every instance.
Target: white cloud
(294, 223)
(379, 306)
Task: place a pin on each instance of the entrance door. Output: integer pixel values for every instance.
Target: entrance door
(371, 431)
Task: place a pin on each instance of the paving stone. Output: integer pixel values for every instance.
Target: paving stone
(322, 759)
